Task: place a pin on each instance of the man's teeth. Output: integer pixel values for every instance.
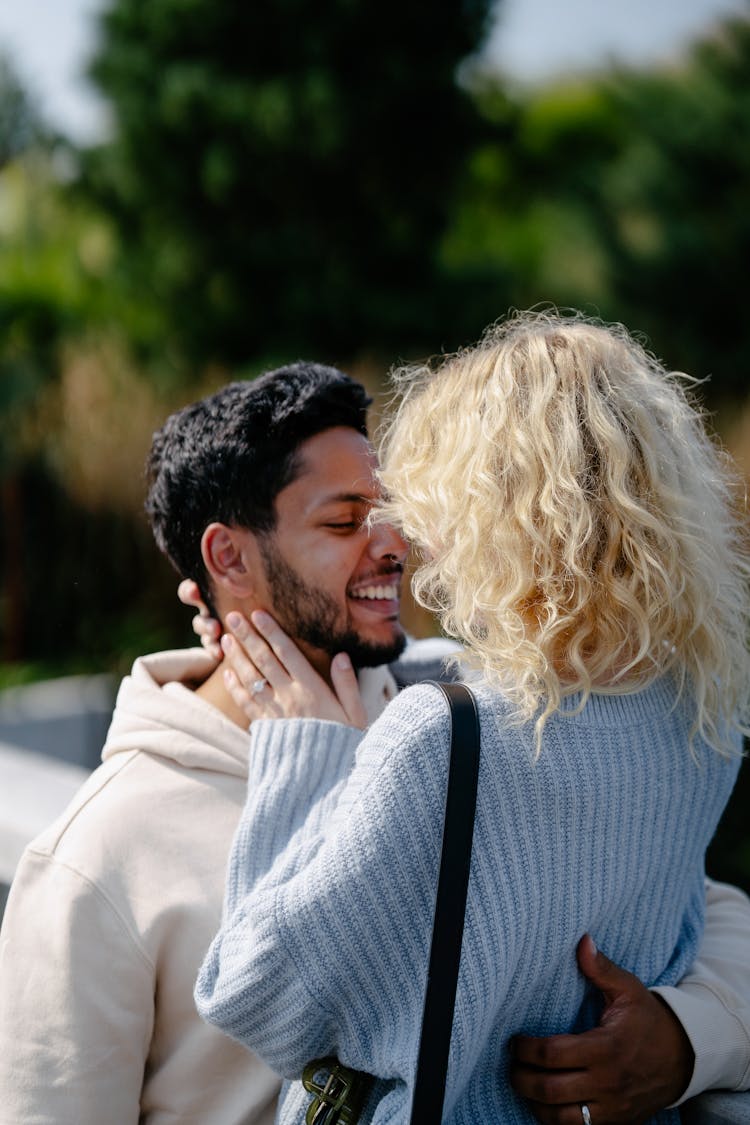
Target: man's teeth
(373, 592)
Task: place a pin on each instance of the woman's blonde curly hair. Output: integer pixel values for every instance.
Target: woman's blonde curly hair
(577, 524)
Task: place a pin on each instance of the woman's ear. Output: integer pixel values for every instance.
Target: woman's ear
(228, 555)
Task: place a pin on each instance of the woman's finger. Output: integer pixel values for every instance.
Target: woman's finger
(284, 648)
(207, 628)
(239, 694)
(254, 705)
(189, 594)
(245, 670)
(344, 680)
(214, 650)
(296, 690)
(251, 656)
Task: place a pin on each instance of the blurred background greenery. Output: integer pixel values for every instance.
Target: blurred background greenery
(350, 181)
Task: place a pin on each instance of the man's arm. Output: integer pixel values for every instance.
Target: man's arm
(652, 1048)
(712, 1001)
(76, 1003)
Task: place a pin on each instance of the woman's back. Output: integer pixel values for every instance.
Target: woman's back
(605, 832)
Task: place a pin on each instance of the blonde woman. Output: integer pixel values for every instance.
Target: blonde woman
(579, 539)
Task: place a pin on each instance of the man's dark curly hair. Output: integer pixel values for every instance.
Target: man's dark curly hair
(227, 457)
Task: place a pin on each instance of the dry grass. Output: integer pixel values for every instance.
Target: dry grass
(106, 414)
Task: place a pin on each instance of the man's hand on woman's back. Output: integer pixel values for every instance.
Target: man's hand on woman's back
(637, 1061)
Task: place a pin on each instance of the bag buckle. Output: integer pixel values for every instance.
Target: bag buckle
(339, 1099)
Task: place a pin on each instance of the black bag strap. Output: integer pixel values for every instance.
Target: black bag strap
(450, 906)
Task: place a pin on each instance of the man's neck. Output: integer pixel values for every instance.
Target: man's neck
(214, 691)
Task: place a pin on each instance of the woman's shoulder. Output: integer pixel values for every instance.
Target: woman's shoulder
(420, 707)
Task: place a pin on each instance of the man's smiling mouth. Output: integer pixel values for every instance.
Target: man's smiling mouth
(376, 593)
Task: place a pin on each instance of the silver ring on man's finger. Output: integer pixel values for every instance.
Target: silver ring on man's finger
(258, 686)
(585, 1115)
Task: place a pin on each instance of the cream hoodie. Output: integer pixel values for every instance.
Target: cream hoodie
(111, 912)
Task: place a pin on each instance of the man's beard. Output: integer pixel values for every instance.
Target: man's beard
(312, 616)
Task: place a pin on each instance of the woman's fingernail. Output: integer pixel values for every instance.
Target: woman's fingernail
(227, 677)
(342, 662)
(234, 620)
(261, 619)
(226, 642)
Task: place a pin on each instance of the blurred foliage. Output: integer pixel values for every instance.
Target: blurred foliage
(94, 596)
(625, 194)
(282, 171)
(54, 296)
(21, 126)
(671, 208)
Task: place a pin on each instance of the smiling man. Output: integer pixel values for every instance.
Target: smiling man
(335, 585)
(261, 493)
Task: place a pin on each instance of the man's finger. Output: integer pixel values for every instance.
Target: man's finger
(604, 974)
(561, 1052)
(564, 1114)
(552, 1087)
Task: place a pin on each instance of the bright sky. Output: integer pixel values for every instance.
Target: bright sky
(49, 40)
(536, 39)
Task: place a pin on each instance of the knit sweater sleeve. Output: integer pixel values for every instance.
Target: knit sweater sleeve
(296, 772)
(323, 949)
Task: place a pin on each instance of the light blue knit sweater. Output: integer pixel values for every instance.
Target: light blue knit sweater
(331, 886)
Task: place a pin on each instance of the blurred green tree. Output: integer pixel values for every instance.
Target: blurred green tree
(672, 210)
(281, 172)
(625, 194)
(20, 123)
(54, 260)
(523, 216)
(20, 375)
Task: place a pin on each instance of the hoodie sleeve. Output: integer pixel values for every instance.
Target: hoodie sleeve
(712, 1001)
(71, 1052)
(328, 933)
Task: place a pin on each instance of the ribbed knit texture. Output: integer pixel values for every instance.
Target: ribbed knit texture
(332, 879)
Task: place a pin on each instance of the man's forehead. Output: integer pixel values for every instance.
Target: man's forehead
(347, 497)
(336, 466)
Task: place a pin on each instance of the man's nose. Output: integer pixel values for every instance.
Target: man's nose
(385, 542)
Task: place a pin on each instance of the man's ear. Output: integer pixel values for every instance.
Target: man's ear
(230, 555)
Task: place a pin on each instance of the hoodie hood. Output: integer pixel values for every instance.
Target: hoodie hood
(156, 711)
